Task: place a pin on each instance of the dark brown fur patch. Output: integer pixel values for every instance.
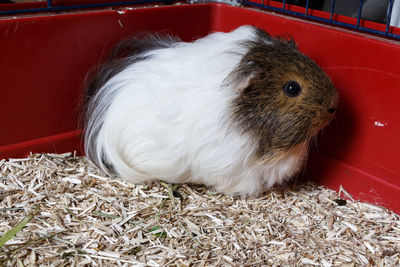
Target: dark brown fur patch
(277, 122)
(126, 53)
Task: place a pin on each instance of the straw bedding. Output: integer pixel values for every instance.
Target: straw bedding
(59, 210)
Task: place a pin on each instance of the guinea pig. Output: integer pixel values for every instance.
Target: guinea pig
(234, 111)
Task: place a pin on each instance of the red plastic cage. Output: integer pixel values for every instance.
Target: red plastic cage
(45, 58)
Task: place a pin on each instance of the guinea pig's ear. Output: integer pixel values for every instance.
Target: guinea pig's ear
(244, 82)
(240, 78)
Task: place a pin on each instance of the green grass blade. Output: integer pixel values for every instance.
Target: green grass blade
(13, 231)
(101, 214)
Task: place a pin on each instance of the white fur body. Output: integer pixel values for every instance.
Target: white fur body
(168, 117)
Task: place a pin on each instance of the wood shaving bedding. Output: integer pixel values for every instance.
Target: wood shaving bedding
(60, 210)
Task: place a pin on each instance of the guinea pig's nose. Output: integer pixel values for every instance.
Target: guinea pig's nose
(332, 110)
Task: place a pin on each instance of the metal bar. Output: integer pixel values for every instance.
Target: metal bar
(307, 6)
(359, 14)
(389, 16)
(284, 4)
(332, 10)
(49, 3)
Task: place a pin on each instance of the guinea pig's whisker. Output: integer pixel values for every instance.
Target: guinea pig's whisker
(314, 142)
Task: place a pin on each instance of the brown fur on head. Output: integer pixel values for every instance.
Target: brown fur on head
(268, 107)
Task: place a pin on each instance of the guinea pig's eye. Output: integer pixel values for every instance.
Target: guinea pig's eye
(292, 89)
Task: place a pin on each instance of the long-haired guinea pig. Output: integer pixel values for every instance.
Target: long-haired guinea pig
(235, 111)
